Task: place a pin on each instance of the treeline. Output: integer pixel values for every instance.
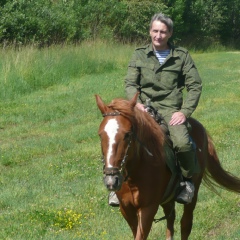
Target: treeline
(46, 22)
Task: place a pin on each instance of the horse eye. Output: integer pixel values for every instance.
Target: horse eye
(127, 135)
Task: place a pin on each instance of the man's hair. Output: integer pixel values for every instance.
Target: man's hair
(164, 19)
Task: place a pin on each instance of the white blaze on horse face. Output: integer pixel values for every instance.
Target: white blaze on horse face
(111, 128)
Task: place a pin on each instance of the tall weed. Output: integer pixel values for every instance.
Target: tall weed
(30, 69)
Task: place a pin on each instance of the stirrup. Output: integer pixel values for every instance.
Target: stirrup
(187, 193)
(113, 199)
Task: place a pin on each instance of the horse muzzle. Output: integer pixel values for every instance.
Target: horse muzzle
(112, 179)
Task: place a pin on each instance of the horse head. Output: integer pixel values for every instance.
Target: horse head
(115, 132)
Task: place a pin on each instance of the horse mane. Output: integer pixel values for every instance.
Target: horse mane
(147, 130)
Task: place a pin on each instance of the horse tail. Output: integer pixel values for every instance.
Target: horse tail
(214, 171)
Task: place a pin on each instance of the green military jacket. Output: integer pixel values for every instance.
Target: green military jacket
(163, 84)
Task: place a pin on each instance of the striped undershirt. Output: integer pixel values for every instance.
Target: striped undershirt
(161, 55)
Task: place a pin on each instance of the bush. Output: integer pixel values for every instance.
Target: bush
(42, 22)
(45, 22)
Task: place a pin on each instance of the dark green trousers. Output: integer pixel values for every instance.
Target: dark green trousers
(183, 146)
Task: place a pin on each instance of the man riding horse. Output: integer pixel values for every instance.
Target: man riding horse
(160, 72)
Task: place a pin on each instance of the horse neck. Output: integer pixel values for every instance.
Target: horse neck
(149, 137)
(143, 155)
(148, 132)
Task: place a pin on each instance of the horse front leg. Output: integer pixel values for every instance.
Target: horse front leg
(130, 215)
(145, 220)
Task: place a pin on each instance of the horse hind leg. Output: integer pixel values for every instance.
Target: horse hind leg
(169, 211)
(187, 218)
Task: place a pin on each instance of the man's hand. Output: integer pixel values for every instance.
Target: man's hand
(141, 107)
(177, 119)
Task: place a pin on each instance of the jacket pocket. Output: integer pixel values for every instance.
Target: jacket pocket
(171, 75)
(147, 71)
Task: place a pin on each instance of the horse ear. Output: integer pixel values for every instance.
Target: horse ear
(102, 107)
(133, 101)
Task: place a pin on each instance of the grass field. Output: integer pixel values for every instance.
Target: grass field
(50, 170)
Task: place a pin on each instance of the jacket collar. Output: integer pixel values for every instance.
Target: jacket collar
(173, 53)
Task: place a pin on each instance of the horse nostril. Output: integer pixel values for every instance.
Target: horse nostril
(112, 182)
(116, 181)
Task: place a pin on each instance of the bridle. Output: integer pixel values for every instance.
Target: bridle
(114, 170)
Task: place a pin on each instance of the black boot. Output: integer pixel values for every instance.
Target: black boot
(187, 193)
(187, 162)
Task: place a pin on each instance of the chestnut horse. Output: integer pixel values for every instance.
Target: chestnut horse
(135, 167)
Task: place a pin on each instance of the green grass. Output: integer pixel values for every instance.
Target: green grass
(50, 161)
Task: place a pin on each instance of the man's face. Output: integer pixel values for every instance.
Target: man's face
(159, 34)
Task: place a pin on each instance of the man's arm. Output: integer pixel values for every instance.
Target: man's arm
(193, 85)
(132, 80)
